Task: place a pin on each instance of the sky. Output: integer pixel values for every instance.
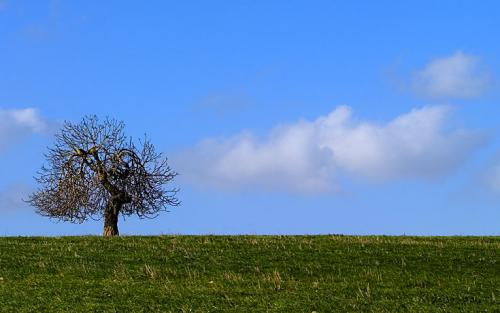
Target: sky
(281, 117)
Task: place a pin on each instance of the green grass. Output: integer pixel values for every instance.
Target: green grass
(250, 274)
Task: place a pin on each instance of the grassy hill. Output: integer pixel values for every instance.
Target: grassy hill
(250, 274)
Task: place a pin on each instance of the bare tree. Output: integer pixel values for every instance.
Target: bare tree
(95, 171)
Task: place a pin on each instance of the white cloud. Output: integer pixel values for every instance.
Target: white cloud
(308, 156)
(18, 123)
(455, 76)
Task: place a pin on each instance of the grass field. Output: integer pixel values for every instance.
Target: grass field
(250, 274)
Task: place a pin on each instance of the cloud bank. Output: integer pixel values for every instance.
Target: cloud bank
(455, 76)
(16, 124)
(309, 156)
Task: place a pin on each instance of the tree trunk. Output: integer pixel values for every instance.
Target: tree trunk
(111, 220)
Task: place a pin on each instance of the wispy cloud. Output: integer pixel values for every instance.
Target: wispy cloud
(18, 123)
(223, 103)
(12, 197)
(456, 76)
(490, 175)
(307, 156)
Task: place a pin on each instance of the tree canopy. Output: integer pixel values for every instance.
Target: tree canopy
(95, 171)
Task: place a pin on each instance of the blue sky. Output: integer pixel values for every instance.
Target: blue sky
(282, 117)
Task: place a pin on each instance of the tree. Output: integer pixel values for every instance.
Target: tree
(95, 171)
